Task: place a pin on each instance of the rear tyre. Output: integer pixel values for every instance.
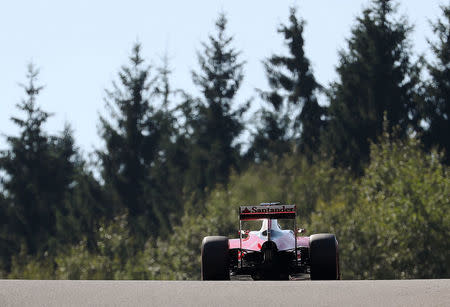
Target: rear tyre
(323, 253)
(215, 258)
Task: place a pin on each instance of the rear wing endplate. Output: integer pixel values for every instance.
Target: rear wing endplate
(267, 212)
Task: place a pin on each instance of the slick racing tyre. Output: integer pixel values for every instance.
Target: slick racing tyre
(215, 258)
(323, 253)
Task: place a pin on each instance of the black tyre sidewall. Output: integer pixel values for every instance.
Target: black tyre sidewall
(215, 258)
(324, 257)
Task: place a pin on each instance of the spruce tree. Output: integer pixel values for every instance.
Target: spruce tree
(294, 115)
(171, 162)
(129, 140)
(39, 169)
(84, 199)
(437, 101)
(137, 162)
(216, 123)
(376, 80)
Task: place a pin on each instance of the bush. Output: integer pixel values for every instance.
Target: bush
(398, 224)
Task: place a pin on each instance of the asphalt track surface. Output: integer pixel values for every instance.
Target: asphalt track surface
(231, 293)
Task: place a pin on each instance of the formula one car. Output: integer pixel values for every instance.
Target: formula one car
(270, 253)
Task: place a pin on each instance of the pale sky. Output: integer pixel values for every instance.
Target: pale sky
(80, 46)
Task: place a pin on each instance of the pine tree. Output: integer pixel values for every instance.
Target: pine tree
(39, 171)
(171, 162)
(84, 200)
(30, 218)
(130, 140)
(215, 124)
(137, 163)
(376, 80)
(294, 115)
(437, 101)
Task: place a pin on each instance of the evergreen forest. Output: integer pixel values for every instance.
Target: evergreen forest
(370, 165)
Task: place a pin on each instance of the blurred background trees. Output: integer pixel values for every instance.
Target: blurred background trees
(377, 83)
(294, 117)
(437, 106)
(140, 160)
(216, 120)
(369, 164)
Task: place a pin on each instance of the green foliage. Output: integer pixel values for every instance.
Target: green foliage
(397, 225)
(105, 262)
(40, 171)
(290, 179)
(215, 121)
(173, 174)
(376, 80)
(437, 107)
(178, 256)
(391, 223)
(130, 138)
(29, 267)
(139, 159)
(294, 114)
(5, 238)
(114, 257)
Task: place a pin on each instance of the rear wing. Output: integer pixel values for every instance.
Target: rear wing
(267, 212)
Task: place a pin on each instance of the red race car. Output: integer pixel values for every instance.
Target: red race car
(270, 252)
